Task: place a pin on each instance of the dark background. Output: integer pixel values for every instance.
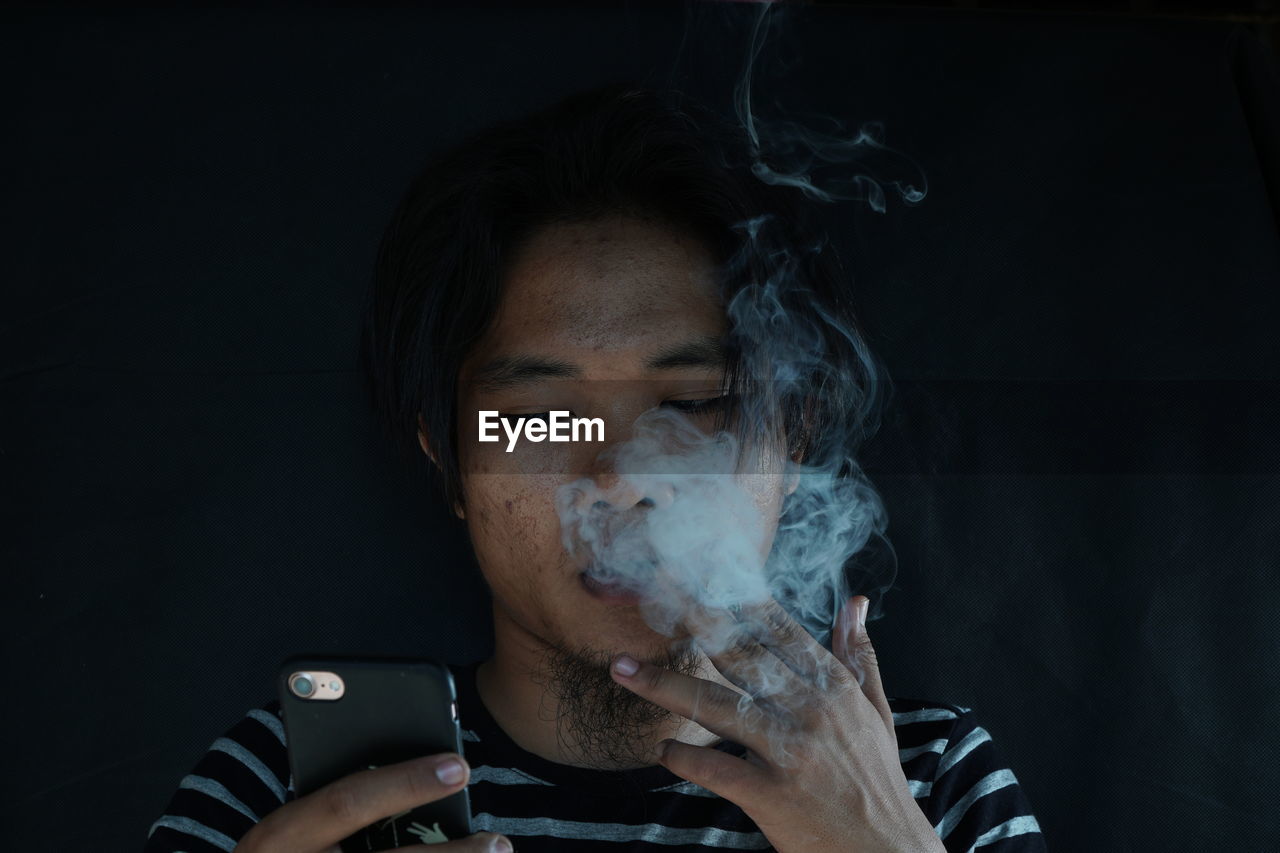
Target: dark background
(1080, 464)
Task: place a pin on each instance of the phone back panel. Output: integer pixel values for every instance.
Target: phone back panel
(393, 710)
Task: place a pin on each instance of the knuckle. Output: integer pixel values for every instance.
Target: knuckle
(779, 620)
(861, 660)
(421, 782)
(655, 678)
(721, 702)
(772, 703)
(720, 775)
(342, 799)
(786, 632)
(741, 644)
(751, 712)
(746, 708)
(836, 674)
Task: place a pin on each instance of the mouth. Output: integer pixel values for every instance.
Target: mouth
(611, 587)
(610, 593)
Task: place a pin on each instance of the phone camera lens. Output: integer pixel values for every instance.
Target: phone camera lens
(303, 685)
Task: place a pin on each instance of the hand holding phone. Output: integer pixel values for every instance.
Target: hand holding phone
(375, 756)
(318, 822)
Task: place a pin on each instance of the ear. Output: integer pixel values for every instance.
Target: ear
(800, 445)
(425, 443)
(792, 481)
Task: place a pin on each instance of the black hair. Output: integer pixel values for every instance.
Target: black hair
(438, 276)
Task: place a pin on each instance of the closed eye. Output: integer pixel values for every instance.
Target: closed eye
(693, 407)
(689, 407)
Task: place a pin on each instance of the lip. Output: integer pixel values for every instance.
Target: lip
(608, 593)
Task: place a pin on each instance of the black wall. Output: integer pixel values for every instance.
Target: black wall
(1080, 466)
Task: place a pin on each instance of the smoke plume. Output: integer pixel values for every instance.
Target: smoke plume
(693, 547)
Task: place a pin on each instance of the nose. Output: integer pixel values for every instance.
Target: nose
(610, 491)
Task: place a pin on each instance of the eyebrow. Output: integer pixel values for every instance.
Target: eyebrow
(703, 352)
(505, 372)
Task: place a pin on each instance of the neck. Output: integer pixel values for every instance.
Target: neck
(548, 712)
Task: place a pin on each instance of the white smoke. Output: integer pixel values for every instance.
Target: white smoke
(693, 546)
(824, 166)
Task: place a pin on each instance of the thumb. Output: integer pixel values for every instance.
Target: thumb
(852, 645)
(844, 638)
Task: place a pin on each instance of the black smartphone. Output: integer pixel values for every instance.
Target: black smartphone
(343, 714)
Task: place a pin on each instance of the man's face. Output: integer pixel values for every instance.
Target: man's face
(606, 319)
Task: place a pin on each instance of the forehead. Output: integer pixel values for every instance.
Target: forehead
(608, 285)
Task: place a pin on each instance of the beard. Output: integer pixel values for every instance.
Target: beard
(600, 723)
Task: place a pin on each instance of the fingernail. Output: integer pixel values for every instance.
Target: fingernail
(500, 845)
(626, 666)
(863, 606)
(451, 772)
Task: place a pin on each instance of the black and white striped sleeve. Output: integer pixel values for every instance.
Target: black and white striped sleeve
(243, 776)
(975, 802)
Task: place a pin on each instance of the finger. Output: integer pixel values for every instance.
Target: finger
(713, 706)
(329, 814)
(860, 655)
(788, 640)
(481, 842)
(731, 777)
(844, 636)
(736, 653)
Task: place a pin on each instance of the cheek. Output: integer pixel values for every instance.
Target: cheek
(768, 502)
(766, 492)
(514, 528)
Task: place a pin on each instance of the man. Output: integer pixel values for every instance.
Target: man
(614, 257)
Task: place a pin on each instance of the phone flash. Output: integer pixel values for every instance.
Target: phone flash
(317, 686)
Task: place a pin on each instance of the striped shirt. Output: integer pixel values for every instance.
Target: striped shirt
(954, 772)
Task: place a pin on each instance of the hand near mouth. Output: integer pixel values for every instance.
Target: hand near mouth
(822, 772)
